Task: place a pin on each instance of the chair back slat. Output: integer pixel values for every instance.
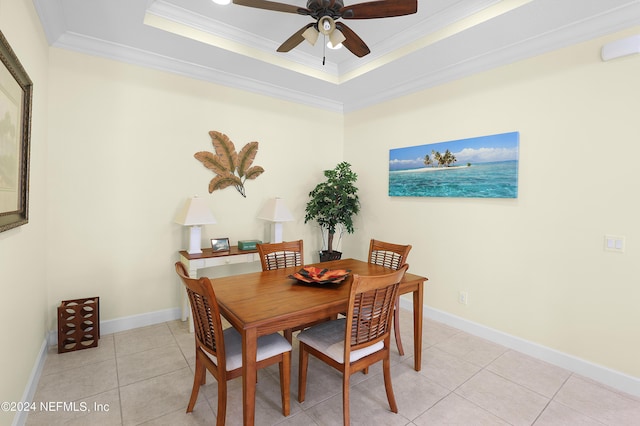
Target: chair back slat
(205, 312)
(281, 255)
(202, 319)
(371, 306)
(388, 255)
(282, 259)
(371, 310)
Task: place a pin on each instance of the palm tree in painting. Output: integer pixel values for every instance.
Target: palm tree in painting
(443, 160)
(437, 157)
(448, 158)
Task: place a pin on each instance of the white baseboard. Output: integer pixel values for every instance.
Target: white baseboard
(607, 376)
(106, 327)
(32, 384)
(137, 321)
(129, 323)
(604, 375)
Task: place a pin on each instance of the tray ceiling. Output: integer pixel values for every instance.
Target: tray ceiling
(236, 46)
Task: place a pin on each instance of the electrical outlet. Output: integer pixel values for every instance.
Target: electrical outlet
(463, 297)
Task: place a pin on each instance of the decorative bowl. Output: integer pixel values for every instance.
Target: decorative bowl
(315, 275)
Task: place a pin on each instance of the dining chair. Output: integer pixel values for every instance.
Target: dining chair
(284, 255)
(220, 351)
(391, 256)
(360, 339)
(281, 255)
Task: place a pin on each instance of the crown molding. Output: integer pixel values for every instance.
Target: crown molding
(347, 98)
(118, 52)
(52, 18)
(597, 26)
(189, 20)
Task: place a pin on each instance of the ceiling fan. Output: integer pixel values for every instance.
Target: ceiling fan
(326, 14)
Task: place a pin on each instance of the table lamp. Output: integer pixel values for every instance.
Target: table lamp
(277, 212)
(195, 213)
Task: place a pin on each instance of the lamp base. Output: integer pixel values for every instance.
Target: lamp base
(276, 232)
(195, 235)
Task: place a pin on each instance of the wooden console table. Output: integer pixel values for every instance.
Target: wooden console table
(207, 259)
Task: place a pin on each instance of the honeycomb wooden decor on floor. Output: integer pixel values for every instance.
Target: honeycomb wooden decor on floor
(78, 324)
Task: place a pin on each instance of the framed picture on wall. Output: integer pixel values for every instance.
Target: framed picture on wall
(478, 167)
(15, 133)
(219, 244)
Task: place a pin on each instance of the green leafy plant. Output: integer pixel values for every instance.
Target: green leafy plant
(334, 202)
(232, 168)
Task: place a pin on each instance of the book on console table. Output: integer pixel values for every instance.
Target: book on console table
(248, 244)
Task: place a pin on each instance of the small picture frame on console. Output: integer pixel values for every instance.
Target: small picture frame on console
(219, 244)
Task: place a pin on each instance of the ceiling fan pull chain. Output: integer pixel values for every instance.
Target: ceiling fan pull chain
(324, 49)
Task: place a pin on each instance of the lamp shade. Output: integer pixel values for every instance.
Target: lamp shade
(195, 212)
(336, 38)
(275, 211)
(311, 35)
(326, 25)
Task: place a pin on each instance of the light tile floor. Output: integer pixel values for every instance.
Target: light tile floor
(144, 376)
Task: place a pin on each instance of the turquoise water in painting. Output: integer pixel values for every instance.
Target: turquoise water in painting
(481, 180)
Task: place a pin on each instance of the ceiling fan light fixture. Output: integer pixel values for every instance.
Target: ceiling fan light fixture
(325, 13)
(326, 25)
(311, 35)
(336, 38)
(222, 2)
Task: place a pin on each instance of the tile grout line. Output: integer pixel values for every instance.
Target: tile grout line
(115, 356)
(551, 399)
(178, 335)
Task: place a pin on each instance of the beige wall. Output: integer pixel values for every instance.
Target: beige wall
(112, 162)
(23, 316)
(116, 167)
(121, 165)
(534, 267)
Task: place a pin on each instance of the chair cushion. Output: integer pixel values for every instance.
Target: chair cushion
(328, 338)
(268, 346)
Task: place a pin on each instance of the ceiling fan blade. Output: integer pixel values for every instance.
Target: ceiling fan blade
(272, 5)
(353, 42)
(379, 9)
(294, 40)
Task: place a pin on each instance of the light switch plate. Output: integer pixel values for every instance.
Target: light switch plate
(614, 243)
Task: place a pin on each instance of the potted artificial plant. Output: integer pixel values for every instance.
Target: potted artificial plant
(332, 204)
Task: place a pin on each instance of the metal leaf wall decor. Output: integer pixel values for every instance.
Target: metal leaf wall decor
(232, 168)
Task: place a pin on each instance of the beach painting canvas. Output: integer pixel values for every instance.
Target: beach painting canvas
(479, 167)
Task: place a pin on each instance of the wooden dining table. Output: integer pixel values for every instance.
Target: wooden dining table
(261, 303)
